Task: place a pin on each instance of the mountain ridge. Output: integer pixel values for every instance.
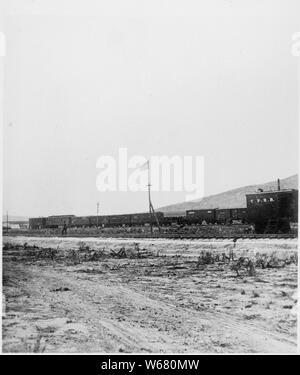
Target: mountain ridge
(14, 218)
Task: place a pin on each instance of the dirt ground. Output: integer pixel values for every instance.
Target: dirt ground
(152, 303)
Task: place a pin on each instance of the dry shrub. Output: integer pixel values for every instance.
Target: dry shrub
(87, 255)
(7, 246)
(205, 258)
(273, 261)
(83, 246)
(73, 256)
(48, 253)
(243, 263)
(35, 347)
(36, 253)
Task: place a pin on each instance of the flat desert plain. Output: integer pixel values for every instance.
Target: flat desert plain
(150, 296)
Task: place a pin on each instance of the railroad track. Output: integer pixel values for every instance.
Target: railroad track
(195, 236)
(157, 235)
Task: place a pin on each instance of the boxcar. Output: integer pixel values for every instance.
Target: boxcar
(101, 220)
(58, 221)
(37, 222)
(146, 218)
(239, 214)
(198, 216)
(173, 220)
(223, 216)
(80, 221)
(119, 220)
(175, 214)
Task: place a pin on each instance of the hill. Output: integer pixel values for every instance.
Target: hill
(14, 218)
(235, 198)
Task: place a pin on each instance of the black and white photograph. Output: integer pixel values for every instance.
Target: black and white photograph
(150, 178)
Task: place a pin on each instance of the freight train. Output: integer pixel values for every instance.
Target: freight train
(269, 212)
(95, 221)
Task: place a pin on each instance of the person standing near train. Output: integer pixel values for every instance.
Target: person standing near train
(64, 230)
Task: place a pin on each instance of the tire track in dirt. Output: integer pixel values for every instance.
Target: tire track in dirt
(133, 305)
(99, 306)
(276, 342)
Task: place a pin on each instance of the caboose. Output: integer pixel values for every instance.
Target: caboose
(272, 211)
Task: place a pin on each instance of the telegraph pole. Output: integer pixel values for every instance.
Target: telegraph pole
(7, 221)
(149, 195)
(97, 214)
(151, 209)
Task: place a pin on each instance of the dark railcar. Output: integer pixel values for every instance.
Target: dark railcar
(272, 211)
(125, 220)
(198, 216)
(101, 220)
(58, 221)
(223, 216)
(37, 222)
(119, 220)
(80, 221)
(239, 214)
(146, 218)
(175, 214)
(173, 220)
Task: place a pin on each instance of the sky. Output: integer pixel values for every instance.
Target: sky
(83, 79)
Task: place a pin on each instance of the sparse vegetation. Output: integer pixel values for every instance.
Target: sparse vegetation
(34, 347)
(244, 263)
(230, 285)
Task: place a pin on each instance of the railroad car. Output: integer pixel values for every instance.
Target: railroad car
(119, 220)
(174, 214)
(146, 218)
(272, 211)
(223, 216)
(58, 221)
(173, 220)
(101, 220)
(37, 222)
(239, 214)
(198, 216)
(80, 221)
